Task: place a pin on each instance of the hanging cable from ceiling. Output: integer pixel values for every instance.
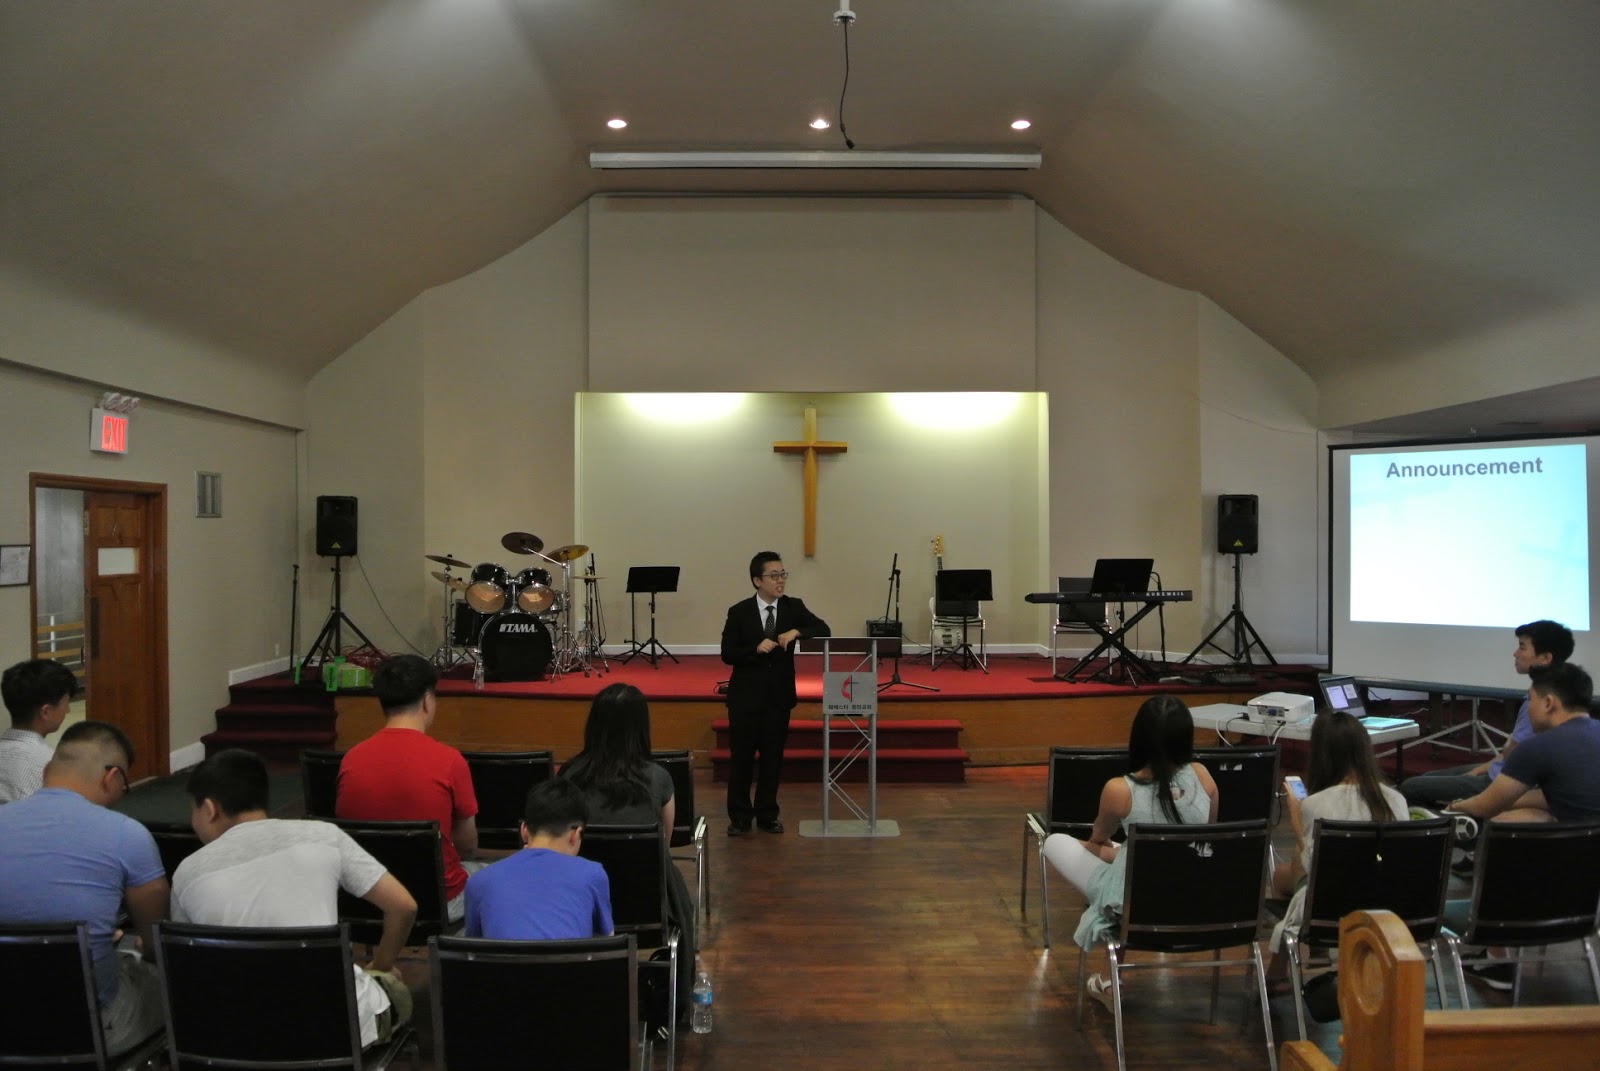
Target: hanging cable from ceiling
(845, 18)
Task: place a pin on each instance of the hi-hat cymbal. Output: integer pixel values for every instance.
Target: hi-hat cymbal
(570, 552)
(445, 559)
(522, 542)
(588, 578)
(454, 582)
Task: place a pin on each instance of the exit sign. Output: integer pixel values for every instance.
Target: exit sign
(108, 432)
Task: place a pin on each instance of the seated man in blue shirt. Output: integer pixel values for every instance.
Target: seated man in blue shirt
(64, 857)
(1554, 775)
(543, 892)
(1539, 643)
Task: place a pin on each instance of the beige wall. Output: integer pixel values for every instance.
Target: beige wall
(228, 578)
(1118, 357)
(838, 294)
(68, 335)
(1546, 349)
(1258, 436)
(707, 495)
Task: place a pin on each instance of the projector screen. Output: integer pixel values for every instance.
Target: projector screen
(1439, 550)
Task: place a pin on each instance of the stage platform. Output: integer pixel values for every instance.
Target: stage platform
(1011, 715)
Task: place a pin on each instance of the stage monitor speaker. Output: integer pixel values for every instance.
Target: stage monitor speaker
(336, 526)
(1237, 524)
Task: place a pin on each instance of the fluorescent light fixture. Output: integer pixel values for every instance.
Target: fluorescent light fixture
(617, 124)
(819, 124)
(683, 408)
(888, 160)
(955, 411)
(1020, 124)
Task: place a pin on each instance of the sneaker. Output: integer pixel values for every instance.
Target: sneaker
(1499, 976)
(1098, 986)
(1465, 865)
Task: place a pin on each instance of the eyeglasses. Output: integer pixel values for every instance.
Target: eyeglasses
(122, 774)
(775, 576)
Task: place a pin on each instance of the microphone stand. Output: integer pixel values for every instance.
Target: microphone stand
(894, 598)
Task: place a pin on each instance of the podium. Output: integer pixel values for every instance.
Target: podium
(850, 712)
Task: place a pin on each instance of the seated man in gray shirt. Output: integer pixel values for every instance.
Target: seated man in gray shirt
(252, 870)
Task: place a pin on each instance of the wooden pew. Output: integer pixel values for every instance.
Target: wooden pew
(1385, 1027)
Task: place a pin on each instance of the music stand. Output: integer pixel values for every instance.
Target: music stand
(649, 579)
(957, 592)
(1121, 580)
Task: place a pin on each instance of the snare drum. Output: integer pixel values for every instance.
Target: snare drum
(516, 647)
(489, 592)
(534, 594)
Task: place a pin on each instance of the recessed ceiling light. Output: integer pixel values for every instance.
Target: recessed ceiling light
(616, 124)
(1020, 124)
(819, 124)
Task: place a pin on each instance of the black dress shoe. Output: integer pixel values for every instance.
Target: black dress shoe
(738, 829)
(770, 825)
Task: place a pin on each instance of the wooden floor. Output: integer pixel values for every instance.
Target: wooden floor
(911, 952)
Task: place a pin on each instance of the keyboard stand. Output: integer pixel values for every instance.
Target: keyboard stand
(1121, 661)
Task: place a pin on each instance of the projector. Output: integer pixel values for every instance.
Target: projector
(1282, 706)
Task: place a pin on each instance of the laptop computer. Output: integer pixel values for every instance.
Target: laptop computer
(1339, 692)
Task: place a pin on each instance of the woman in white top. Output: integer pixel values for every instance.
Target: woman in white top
(1343, 784)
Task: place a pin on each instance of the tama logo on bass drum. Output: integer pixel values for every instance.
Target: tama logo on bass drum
(535, 627)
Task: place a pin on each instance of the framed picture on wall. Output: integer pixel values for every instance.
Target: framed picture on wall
(14, 564)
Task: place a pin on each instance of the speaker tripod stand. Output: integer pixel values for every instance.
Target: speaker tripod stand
(1240, 655)
(330, 641)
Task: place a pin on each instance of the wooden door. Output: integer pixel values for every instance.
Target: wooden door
(126, 644)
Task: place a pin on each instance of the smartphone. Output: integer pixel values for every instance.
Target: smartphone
(1296, 786)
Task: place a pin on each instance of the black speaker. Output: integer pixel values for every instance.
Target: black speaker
(336, 526)
(1237, 524)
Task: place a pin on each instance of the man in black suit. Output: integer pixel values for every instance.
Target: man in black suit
(757, 641)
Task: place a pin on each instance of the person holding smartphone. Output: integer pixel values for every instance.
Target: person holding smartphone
(1342, 783)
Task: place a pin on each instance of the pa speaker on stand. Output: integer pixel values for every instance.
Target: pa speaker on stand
(336, 539)
(336, 526)
(1238, 531)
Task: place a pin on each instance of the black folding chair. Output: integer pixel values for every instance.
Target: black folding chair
(248, 997)
(411, 852)
(50, 1016)
(1401, 867)
(1072, 800)
(501, 780)
(319, 780)
(636, 862)
(688, 828)
(1189, 889)
(1246, 778)
(1534, 884)
(482, 990)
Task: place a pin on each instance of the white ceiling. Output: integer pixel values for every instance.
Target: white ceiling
(280, 176)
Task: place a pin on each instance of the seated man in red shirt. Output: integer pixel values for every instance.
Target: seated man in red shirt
(402, 774)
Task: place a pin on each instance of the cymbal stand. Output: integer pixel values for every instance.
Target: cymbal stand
(593, 634)
(448, 654)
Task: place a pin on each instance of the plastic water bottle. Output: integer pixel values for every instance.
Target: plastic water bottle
(700, 1017)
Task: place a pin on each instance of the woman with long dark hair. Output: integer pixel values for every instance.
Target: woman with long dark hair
(625, 787)
(1343, 784)
(1166, 786)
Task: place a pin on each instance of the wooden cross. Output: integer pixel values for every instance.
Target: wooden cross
(810, 447)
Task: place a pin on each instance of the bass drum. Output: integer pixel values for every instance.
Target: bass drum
(516, 647)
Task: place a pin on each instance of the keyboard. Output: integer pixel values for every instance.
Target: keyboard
(1232, 678)
(1173, 595)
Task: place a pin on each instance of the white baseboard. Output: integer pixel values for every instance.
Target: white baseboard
(260, 669)
(186, 756)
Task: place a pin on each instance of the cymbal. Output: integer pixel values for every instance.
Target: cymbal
(445, 578)
(588, 578)
(445, 559)
(522, 542)
(570, 552)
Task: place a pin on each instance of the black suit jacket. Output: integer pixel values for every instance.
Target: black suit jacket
(764, 681)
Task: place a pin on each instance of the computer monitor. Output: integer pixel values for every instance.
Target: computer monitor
(1341, 693)
(1122, 576)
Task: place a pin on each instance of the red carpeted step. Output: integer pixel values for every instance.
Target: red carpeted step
(271, 744)
(895, 765)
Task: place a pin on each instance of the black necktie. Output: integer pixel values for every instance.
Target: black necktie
(772, 623)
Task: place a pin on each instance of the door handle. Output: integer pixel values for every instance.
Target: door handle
(94, 627)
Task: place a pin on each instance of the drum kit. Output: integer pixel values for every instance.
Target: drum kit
(517, 626)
